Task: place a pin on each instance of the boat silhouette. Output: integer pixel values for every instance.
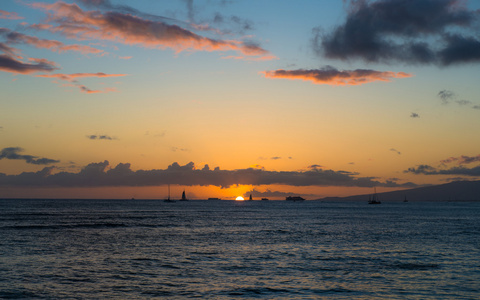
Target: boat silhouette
(294, 198)
(184, 198)
(168, 199)
(374, 198)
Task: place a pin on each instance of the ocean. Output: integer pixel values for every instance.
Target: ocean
(142, 249)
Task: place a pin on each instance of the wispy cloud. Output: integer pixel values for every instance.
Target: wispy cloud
(73, 22)
(463, 159)
(14, 153)
(101, 137)
(10, 64)
(420, 31)
(429, 170)
(101, 174)
(14, 37)
(73, 78)
(331, 76)
(414, 115)
(443, 169)
(9, 15)
(396, 151)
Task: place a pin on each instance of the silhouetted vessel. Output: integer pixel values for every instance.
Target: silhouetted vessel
(168, 199)
(405, 200)
(294, 198)
(214, 199)
(374, 198)
(264, 199)
(184, 198)
(250, 198)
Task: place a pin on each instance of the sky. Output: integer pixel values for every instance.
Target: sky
(225, 98)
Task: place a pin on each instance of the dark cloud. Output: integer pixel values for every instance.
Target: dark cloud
(409, 31)
(459, 171)
(446, 96)
(101, 137)
(14, 37)
(101, 175)
(414, 115)
(464, 159)
(12, 65)
(13, 153)
(396, 151)
(331, 76)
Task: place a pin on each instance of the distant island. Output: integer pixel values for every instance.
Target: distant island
(453, 191)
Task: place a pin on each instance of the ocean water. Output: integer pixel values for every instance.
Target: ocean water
(132, 249)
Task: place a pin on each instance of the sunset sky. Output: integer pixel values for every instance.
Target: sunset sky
(222, 98)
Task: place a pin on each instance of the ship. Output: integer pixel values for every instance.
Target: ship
(374, 198)
(250, 198)
(184, 198)
(294, 198)
(264, 199)
(168, 199)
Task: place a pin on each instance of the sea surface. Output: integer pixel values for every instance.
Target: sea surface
(143, 249)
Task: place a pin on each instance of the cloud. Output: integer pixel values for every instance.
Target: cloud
(101, 175)
(440, 32)
(446, 96)
(331, 76)
(429, 170)
(414, 115)
(464, 159)
(8, 50)
(13, 65)
(396, 151)
(73, 78)
(13, 153)
(9, 15)
(14, 37)
(101, 137)
(73, 22)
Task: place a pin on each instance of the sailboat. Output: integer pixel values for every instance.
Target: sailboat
(374, 198)
(168, 199)
(250, 198)
(184, 198)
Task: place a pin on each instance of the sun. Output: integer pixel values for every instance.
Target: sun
(239, 198)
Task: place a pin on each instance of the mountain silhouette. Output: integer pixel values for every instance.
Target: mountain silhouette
(453, 191)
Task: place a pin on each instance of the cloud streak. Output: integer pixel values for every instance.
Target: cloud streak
(9, 15)
(73, 22)
(331, 76)
(14, 37)
(102, 175)
(73, 78)
(13, 153)
(439, 32)
(10, 64)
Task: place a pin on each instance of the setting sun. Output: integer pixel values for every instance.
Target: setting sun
(239, 198)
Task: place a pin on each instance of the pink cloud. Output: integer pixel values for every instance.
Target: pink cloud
(53, 45)
(9, 15)
(13, 65)
(73, 22)
(72, 77)
(332, 76)
(74, 83)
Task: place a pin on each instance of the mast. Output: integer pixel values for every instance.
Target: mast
(169, 191)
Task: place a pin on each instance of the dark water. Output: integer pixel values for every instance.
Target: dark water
(82, 249)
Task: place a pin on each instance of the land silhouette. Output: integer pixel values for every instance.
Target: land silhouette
(453, 191)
